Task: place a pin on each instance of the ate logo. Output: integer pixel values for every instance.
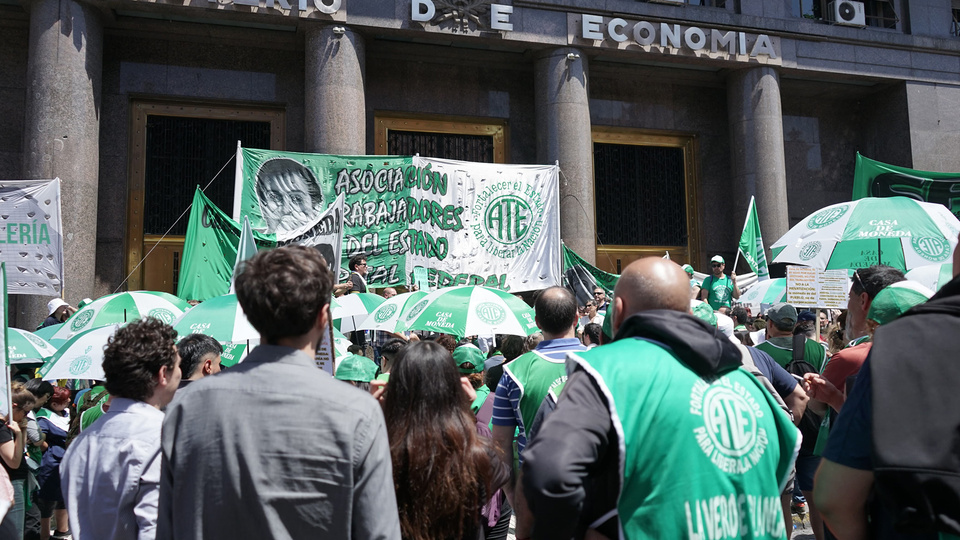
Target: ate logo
(507, 224)
(491, 313)
(384, 313)
(931, 248)
(825, 217)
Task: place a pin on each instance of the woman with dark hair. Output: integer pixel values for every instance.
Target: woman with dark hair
(54, 421)
(443, 471)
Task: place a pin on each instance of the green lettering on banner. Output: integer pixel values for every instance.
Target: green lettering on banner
(11, 232)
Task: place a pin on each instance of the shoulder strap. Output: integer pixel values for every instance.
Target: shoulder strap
(799, 347)
(751, 366)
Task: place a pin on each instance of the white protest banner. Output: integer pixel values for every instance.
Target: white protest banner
(511, 225)
(7, 399)
(810, 287)
(465, 223)
(31, 237)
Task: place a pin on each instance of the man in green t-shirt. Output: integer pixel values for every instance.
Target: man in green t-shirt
(717, 289)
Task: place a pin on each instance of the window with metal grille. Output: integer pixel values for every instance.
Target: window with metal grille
(477, 148)
(640, 195)
(182, 153)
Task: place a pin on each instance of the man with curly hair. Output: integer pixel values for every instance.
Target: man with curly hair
(110, 475)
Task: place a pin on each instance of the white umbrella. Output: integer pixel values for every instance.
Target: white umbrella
(932, 276)
(81, 357)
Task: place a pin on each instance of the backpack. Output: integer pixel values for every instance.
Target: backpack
(810, 423)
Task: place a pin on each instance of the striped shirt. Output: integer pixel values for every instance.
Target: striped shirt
(506, 402)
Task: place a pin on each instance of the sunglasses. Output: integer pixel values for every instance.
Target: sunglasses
(856, 276)
(716, 265)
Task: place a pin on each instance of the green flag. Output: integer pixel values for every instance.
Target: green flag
(751, 243)
(246, 249)
(210, 250)
(876, 179)
(582, 277)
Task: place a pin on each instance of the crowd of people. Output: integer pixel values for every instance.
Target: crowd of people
(666, 410)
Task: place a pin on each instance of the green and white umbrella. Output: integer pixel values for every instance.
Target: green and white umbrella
(47, 332)
(471, 310)
(768, 291)
(25, 347)
(389, 315)
(220, 317)
(895, 231)
(932, 276)
(81, 357)
(353, 308)
(122, 308)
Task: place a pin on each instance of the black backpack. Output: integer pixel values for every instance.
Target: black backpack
(810, 423)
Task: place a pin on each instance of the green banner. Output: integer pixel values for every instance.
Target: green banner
(210, 250)
(876, 179)
(582, 277)
(464, 223)
(280, 190)
(751, 243)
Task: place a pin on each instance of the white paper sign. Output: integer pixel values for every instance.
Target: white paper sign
(810, 287)
(31, 237)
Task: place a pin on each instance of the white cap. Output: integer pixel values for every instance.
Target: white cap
(55, 304)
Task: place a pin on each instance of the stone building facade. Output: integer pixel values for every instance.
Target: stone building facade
(665, 117)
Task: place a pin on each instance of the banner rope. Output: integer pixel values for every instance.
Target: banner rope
(189, 206)
(584, 210)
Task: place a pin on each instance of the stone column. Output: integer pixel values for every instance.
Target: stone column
(756, 143)
(335, 108)
(62, 134)
(563, 134)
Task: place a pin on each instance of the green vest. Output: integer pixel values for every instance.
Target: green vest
(699, 459)
(719, 291)
(813, 353)
(482, 394)
(536, 375)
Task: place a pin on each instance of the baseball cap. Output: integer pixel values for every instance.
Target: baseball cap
(718, 259)
(468, 358)
(688, 269)
(354, 367)
(55, 304)
(806, 315)
(895, 299)
(783, 313)
(703, 311)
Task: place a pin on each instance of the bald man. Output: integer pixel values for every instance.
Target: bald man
(665, 417)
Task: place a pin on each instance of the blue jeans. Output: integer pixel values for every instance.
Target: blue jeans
(13, 521)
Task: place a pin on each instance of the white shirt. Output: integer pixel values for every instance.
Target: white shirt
(110, 475)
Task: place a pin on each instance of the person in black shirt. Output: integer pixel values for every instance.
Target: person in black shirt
(13, 433)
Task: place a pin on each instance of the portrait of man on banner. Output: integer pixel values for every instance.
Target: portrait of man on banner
(289, 195)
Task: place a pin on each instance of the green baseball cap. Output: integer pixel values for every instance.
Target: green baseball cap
(354, 367)
(717, 259)
(688, 269)
(894, 300)
(704, 312)
(469, 359)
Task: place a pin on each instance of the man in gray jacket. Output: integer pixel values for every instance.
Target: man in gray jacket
(274, 447)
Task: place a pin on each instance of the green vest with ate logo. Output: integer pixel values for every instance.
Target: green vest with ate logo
(699, 459)
(536, 375)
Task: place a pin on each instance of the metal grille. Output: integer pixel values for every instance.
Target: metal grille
(641, 195)
(441, 145)
(182, 153)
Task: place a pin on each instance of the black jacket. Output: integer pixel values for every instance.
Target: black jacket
(916, 415)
